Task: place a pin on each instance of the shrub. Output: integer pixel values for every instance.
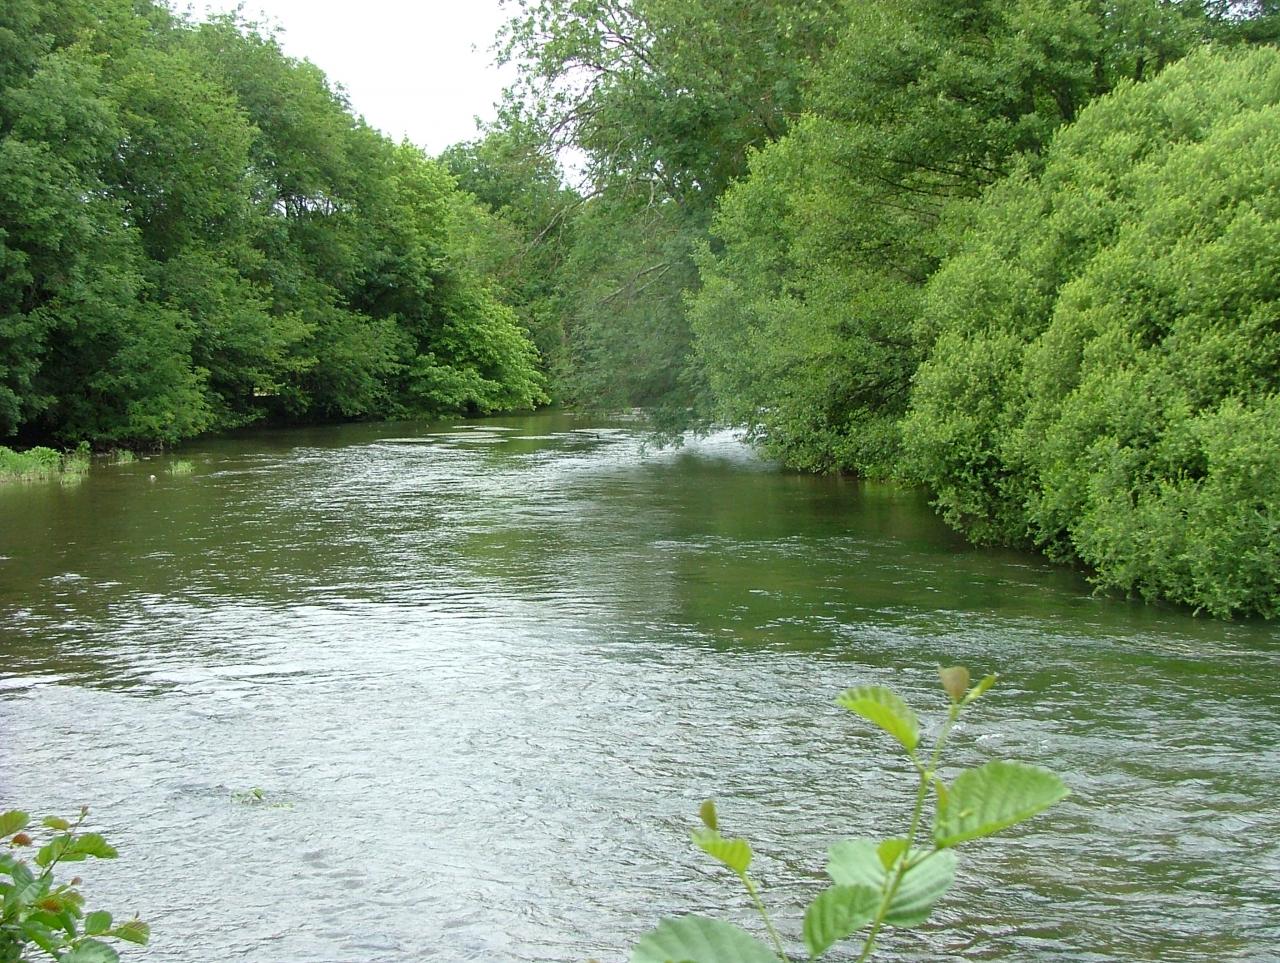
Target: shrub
(1106, 368)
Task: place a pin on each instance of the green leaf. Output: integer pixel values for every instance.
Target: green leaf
(55, 822)
(884, 708)
(91, 844)
(734, 853)
(701, 939)
(707, 813)
(838, 912)
(67, 920)
(134, 931)
(51, 921)
(20, 872)
(977, 691)
(97, 923)
(14, 821)
(890, 850)
(859, 862)
(992, 797)
(24, 893)
(42, 936)
(92, 951)
(53, 851)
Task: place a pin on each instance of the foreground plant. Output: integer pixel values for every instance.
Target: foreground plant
(876, 883)
(39, 913)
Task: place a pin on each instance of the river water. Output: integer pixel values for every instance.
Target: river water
(483, 673)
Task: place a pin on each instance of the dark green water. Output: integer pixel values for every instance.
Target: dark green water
(489, 671)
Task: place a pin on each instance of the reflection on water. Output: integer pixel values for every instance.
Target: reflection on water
(490, 669)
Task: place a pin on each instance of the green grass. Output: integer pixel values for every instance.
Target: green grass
(42, 464)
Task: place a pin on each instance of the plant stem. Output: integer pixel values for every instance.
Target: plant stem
(904, 861)
(764, 915)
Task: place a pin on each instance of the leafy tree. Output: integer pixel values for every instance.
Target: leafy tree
(196, 232)
(1104, 381)
(821, 254)
(666, 95)
(664, 100)
(525, 226)
(89, 355)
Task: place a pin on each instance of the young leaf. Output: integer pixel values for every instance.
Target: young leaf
(884, 708)
(707, 813)
(92, 951)
(14, 821)
(977, 691)
(992, 797)
(734, 853)
(97, 923)
(890, 850)
(134, 931)
(955, 680)
(858, 862)
(837, 913)
(701, 939)
(56, 822)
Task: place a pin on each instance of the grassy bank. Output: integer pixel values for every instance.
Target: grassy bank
(39, 464)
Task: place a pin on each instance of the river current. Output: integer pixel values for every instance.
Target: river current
(481, 674)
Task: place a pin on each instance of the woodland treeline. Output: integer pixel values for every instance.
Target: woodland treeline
(1022, 252)
(196, 233)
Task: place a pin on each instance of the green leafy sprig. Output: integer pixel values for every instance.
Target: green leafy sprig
(37, 910)
(875, 883)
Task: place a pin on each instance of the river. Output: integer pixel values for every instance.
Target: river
(482, 674)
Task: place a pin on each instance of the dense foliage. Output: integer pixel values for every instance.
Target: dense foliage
(1106, 376)
(662, 100)
(825, 248)
(195, 232)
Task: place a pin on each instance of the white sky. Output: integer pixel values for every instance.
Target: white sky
(420, 69)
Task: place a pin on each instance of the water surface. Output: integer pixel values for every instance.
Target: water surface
(484, 672)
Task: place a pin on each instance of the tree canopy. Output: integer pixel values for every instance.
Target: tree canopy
(195, 232)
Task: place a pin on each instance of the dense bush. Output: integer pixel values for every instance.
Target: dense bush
(1105, 380)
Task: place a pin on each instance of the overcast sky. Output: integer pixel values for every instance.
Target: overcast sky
(420, 69)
